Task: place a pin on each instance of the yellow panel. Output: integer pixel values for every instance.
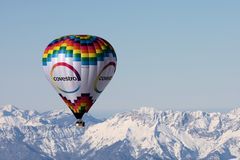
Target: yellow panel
(56, 48)
(98, 51)
(84, 55)
(50, 51)
(64, 45)
(45, 55)
(92, 55)
(83, 104)
(76, 51)
(69, 47)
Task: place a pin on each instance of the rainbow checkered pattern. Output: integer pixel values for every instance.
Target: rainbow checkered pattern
(82, 104)
(85, 48)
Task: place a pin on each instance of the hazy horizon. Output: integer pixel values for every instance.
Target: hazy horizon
(111, 114)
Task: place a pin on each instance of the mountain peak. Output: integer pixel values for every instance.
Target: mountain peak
(235, 111)
(8, 108)
(147, 110)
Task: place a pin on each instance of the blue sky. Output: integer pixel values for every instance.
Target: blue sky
(180, 55)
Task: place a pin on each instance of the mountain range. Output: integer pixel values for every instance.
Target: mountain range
(141, 134)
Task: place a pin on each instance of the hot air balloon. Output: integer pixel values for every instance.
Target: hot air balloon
(79, 67)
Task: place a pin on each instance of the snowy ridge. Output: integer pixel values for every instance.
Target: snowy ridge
(141, 134)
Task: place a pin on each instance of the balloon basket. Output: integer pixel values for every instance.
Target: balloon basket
(80, 123)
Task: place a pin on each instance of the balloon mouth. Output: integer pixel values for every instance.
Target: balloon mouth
(78, 78)
(103, 78)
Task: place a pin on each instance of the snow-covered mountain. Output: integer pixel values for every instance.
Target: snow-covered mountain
(143, 134)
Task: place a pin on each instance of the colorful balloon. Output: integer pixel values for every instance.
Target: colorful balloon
(79, 67)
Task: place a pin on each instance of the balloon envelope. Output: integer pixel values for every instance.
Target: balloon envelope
(79, 67)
